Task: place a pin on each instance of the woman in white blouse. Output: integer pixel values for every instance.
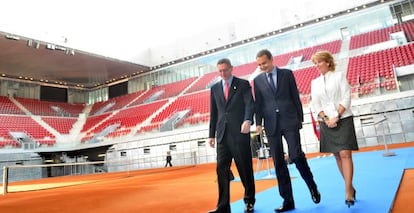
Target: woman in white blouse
(331, 100)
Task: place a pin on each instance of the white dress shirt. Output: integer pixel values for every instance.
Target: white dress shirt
(329, 91)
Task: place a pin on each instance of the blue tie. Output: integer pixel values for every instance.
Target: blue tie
(271, 82)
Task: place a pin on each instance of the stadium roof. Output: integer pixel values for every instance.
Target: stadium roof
(31, 60)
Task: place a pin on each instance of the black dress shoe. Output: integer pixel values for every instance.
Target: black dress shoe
(218, 210)
(249, 208)
(316, 196)
(285, 208)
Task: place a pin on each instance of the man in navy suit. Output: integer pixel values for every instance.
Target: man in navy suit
(279, 109)
(231, 115)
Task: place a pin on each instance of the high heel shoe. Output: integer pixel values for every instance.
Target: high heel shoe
(349, 203)
(354, 195)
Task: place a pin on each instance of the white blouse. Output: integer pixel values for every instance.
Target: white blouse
(329, 91)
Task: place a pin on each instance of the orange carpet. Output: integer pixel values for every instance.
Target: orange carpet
(176, 189)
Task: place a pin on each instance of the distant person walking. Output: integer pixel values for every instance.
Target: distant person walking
(168, 159)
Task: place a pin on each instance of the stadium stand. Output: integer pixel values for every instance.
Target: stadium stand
(62, 125)
(25, 125)
(366, 73)
(8, 107)
(148, 110)
(306, 53)
(382, 35)
(197, 103)
(203, 82)
(46, 108)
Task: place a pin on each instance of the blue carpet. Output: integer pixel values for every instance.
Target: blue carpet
(376, 179)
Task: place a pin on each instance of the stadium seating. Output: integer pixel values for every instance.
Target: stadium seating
(368, 74)
(46, 108)
(304, 77)
(128, 117)
(306, 53)
(117, 102)
(8, 107)
(197, 103)
(244, 69)
(381, 35)
(203, 82)
(22, 123)
(62, 125)
(164, 91)
(378, 66)
(91, 121)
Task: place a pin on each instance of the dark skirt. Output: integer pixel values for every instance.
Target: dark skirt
(339, 138)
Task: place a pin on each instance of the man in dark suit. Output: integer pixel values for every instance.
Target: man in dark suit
(278, 105)
(231, 115)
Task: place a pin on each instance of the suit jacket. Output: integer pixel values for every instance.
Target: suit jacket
(229, 115)
(282, 107)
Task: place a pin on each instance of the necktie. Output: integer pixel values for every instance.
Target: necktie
(226, 90)
(271, 82)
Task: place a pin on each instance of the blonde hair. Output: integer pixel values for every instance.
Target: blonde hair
(325, 56)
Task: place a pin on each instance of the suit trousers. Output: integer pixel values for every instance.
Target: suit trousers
(239, 150)
(296, 155)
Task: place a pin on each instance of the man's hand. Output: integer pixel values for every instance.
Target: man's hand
(212, 142)
(245, 127)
